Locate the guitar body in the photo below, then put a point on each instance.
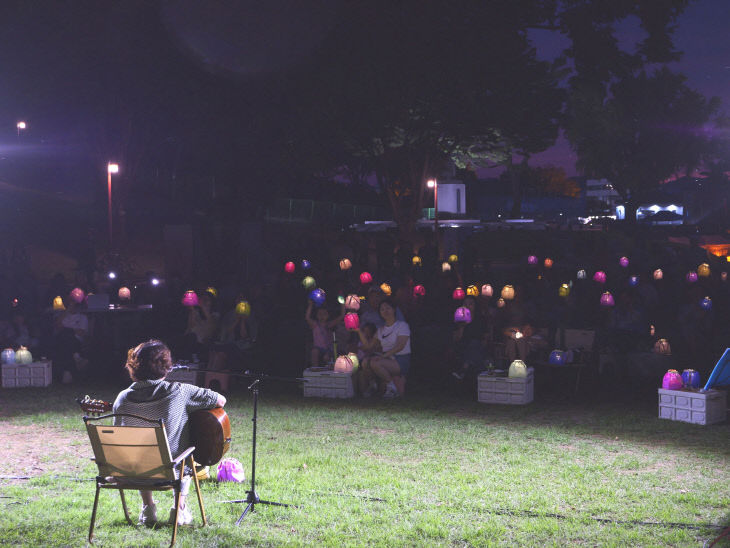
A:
(210, 433)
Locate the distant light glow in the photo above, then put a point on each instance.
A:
(21, 125)
(112, 275)
(431, 183)
(112, 168)
(155, 281)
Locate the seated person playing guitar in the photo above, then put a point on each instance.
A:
(151, 396)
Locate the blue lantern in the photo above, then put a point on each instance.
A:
(317, 296)
(633, 281)
(706, 303)
(691, 378)
(557, 357)
(306, 264)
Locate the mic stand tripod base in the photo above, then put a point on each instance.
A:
(252, 498)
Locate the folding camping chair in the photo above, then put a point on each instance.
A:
(138, 458)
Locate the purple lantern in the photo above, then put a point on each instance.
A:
(532, 260)
(691, 378)
(231, 470)
(706, 303)
(77, 295)
(317, 296)
(190, 298)
(691, 276)
(624, 262)
(600, 277)
(633, 281)
(352, 320)
(672, 380)
(462, 315)
(607, 299)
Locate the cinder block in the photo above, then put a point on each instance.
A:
(506, 390)
(694, 407)
(327, 384)
(33, 374)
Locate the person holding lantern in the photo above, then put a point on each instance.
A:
(322, 328)
(469, 340)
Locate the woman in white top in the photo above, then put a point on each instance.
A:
(395, 340)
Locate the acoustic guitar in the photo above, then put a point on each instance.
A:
(210, 429)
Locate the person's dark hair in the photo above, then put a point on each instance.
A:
(389, 302)
(149, 360)
(369, 328)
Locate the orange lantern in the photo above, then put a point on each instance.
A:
(548, 263)
(416, 260)
(508, 293)
(472, 291)
(124, 294)
(703, 271)
(385, 288)
(58, 303)
(345, 264)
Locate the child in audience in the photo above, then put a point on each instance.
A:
(322, 327)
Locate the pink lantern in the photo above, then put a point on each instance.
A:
(352, 302)
(600, 277)
(607, 299)
(190, 298)
(343, 364)
(462, 315)
(487, 290)
(366, 278)
(458, 294)
(231, 470)
(691, 276)
(532, 260)
(352, 320)
(77, 295)
(290, 267)
(658, 274)
(419, 291)
(624, 261)
(124, 294)
(672, 380)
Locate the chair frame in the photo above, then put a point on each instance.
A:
(140, 483)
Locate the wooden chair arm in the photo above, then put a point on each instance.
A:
(184, 454)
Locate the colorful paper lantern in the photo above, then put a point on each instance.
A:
(633, 281)
(672, 380)
(508, 293)
(190, 298)
(352, 302)
(487, 290)
(517, 369)
(557, 357)
(564, 290)
(289, 267)
(355, 360)
(306, 265)
(600, 277)
(472, 291)
(445, 267)
(366, 278)
(691, 277)
(58, 303)
(124, 294)
(385, 288)
(230, 470)
(243, 308)
(416, 260)
(23, 356)
(703, 271)
(624, 262)
(343, 364)
(706, 303)
(500, 302)
(458, 294)
(548, 263)
(352, 320)
(317, 296)
(309, 283)
(419, 291)
(77, 295)
(345, 264)
(607, 299)
(7, 356)
(212, 290)
(462, 315)
(691, 378)
(581, 275)
(652, 330)
(662, 347)
(453, 258)
(658, 274)
(532, 260)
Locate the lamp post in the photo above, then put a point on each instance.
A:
(433, 183)
(20, 125)
(110, 168)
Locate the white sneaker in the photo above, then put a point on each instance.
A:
(391, 391)
(148, 515)
(184, 516)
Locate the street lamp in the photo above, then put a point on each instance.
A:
(433, 183)
(110, 168)
(21, 125)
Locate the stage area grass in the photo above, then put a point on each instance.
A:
(426, 470)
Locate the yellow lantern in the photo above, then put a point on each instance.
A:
(58, 303)
(416, 260)
(508, 293)
(243, 308)
(564, 290)
(453, 258)
(487, 290)
(658, 274)
(703, 271)
(385, 288)
(212, 290)
(517, 369)
(472, 291)
(500, 303)
(445, 267)
(345, 264)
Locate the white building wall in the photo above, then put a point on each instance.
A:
(452, 198)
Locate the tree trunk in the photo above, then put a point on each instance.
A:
(515, 175)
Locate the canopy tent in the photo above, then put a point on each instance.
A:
(720, 375)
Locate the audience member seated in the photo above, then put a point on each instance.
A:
(70, 333)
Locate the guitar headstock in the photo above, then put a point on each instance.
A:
(93, 406)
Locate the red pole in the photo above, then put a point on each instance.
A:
(109, 202)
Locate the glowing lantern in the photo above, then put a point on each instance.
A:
(607, 299)
(354, 359)
(243, 308)
(691, 277)
(548, 263)
(581, 274)
(124, 294)
(472, 291)
(706, 303)
(385, 288)
(7, 356)
(317, 296)
(309, 283)
(672, 380)
(343, 364)
(557, 357)
(564, 290)
(306, 264)
(600, 277)
(23, 356)
(345, 264)
(703, 271)
(691, 378)
(652, 330)
(453, 259)
(366, 278)
(289, 267)
(462, 315)
(340, 299)
(352, 302)
(633, 281)
(15, 302)
(212, 290)
(517, 369)
(419, 291)
(508, 293)
(723, 276)
(487, 290)
(352, 320)
(624, 262)
(58, 303)
(500, 302)
(77, 295)
(416, 260)
(532, 260)
(190, 298)
(658, 274)
(458, 294)
(662, 347)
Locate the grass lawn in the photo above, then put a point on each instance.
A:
(426, 470)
